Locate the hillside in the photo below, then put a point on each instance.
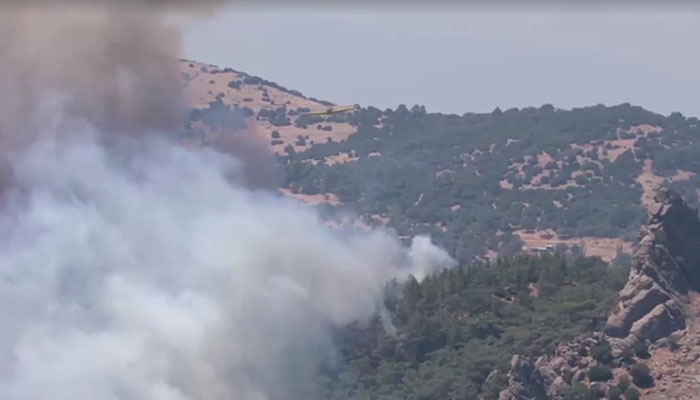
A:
(649, 342)
(539, 327)
(456, 332)
(273, 107)
(534, 179)
(559, 184)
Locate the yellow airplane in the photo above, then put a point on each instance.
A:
(331, 110)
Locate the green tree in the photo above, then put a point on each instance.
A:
(600, 373)
(623, 382)
(602, 353)
(577, 391)
(641, 375)
(627, 355)
(641, 349)
(632, 394)
(614, 393)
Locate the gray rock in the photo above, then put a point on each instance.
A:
(639, 296)
(662, 343)
(579, 376)
(651, 305)
(558, 364)
(660, 322)
(557, 389)
(525, 382)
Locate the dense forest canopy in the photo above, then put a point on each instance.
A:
(453, 329)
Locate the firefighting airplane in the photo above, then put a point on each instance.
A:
(332, 110)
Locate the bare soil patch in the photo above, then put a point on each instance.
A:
(547, 240)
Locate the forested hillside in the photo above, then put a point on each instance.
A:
(454, 329)
(486, 187)
(482, 185)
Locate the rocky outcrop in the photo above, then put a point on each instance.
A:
(525, 382)
(549, 377)
(653, 305)
(667, 265)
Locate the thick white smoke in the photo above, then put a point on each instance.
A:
(150, 276)
(132, 268)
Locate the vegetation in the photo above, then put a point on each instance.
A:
(623, 382)
(632, 394)
(627, 355)
(577, 391)
(277, 117)
(641, 375)
(602, 353)
(614, 393)
(472, 180)
(453, 329)
(641, 349)
(600, 373)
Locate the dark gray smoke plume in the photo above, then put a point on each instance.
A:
(130, 267)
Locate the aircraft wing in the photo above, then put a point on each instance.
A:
(343, 109)
(331, 111)
(317, 113)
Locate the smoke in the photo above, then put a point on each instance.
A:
(251, 147)
(132, 268)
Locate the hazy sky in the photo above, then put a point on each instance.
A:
(461, 60)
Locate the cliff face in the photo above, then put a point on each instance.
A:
(667, 266)
(659, 305)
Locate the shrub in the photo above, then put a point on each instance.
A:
(275, 142)
(632, 394)
(614, 393)
(602, 353)
(275, 134)
(582, 350)
(641, 375)
(600, 373)
(623, 382)
(246, 112)
(673, 343)
(641, 349)
(252, 80)
(578, 391)
(234, 85)
(627, 355)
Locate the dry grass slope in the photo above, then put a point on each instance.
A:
(204, 82)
